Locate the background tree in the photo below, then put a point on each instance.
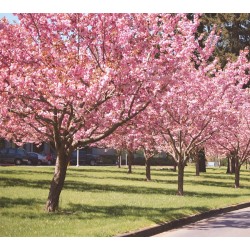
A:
(234, 139)
(200, 160)
(122, 140)
(137, 135)
(234, 35)
(234, 31)
(190, 115)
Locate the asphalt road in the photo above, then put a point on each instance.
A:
(231, 224)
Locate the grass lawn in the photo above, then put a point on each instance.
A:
(106, 201)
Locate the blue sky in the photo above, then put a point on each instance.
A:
(9, 16)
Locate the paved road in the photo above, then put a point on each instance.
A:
(232, 224)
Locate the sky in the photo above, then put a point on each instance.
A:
(9, 16)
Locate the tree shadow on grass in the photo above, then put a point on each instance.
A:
(154, 214)
(129, 189)
(89, 212)
(228, 183)
(156, 173)
(227, 176)
(6, 202)
(88, 169)
(18, 182)
(25, 172)
(217, 176)
(136, 179)
(93, 187)
(139, 190)
(122, 171)
(209, 183)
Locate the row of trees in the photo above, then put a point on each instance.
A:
(148, 81)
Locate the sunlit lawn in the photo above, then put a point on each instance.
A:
(106, 201)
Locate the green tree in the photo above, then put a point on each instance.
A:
(234, 30)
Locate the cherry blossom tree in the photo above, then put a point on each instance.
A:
(73, 79)
(234, 138)
(122, 140)
(139, 134)
(146, 139)
(192, 113)
(182, 81)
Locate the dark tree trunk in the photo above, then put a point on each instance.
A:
(119, 159)
(237, 173)
(197, 166)
(175, 166)
(181, 166)
(57, 182)
(148, 169)
(229, 171)
(130, 161)
(233, 164)
(202, 160)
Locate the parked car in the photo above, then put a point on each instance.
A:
(32, 158)
(42, 159)
(85, 158)
(16, 156)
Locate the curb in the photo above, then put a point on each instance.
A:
(160, 228)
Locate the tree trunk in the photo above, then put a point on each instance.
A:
(119, 159)
(202, 160)
(233, 164)
(130, 161)
(148, 169)
(181, 166)
(57, 182)
(175, 166)
(197, 166)
(228, 165)
(237, 173)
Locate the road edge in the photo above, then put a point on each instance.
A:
(160, 228)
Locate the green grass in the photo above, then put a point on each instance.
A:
(106, 201)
